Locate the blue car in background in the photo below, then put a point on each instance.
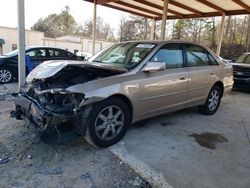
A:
(34, 56)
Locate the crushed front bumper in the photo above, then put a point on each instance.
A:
(32, 111)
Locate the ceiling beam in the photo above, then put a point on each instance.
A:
(178, 14)
(129, 11)
(211, 5)
(209, 14)
(177, 4)
(139, 8)
(101, 2)
(243, 5)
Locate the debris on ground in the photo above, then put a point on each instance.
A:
(138, 182)
(5, 159)
(51, 171)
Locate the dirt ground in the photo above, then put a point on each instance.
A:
(25, 161)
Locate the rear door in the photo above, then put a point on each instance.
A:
(202, 73)
(58, 54)
(164, 90)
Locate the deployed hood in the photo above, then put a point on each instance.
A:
(50, 68)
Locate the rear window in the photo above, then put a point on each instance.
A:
(245, 58)
(242, 58)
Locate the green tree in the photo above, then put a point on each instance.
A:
(55, 25)
(103, 30)
(134, 28)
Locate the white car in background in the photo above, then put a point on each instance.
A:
(86, 55)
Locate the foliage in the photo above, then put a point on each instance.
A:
(55, 25)
(103, 30)
(134, 28)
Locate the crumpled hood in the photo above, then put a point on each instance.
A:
(50, 68)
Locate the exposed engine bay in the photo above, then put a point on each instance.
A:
(47, 104)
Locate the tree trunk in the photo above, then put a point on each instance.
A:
(248, 35)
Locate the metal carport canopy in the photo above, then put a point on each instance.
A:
(177, 9)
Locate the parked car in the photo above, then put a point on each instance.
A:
(101, 98)
(84, 55)
(37, 55)
(241, 71)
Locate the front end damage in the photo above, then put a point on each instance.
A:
(46, 103)
(49, 109)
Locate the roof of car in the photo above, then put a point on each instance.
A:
(162, 41)
(30, 47)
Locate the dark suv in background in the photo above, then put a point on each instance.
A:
(36, 55)
(241, 71)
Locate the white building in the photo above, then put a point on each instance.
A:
(9, 41)
(76, 43)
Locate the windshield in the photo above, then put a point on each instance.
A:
(245, 58)
(126, 54)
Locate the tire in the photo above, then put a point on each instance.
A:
(107, 122)
(6, 75)
(213, 101)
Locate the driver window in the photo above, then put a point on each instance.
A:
(37, 53)
(171, 54)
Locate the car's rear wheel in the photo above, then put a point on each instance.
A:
(108, 122)
(213, 101)
(6, 75)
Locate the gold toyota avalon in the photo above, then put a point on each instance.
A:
(121, 85)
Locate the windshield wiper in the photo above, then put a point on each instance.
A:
(97, 61)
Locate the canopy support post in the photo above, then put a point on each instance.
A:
(21, 44)
(164, 18)
(94, 29)
(153, 29)
(219, 42)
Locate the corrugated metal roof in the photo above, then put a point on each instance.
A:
(179, 8)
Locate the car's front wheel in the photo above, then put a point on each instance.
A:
(108, 122)
(6, 75)
(213, 101)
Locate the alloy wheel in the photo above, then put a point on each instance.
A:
(109, 122)
(213, 100)
(5, 75)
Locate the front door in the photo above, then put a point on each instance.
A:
(165, 90)
(37, 56)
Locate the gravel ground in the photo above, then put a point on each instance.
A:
(25, 161)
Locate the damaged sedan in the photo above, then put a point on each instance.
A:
(121, 85)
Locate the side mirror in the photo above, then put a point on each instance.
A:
(154, 66)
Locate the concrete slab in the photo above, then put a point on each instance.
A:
(11, 87)
(165, 146)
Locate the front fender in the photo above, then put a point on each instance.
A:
(92, 95)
